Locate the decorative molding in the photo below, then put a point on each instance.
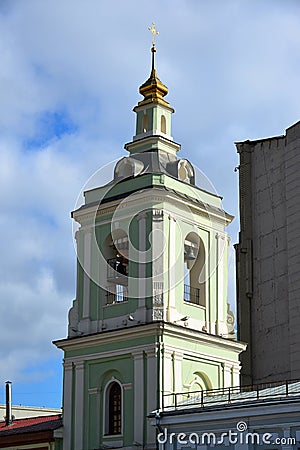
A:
(68, 365)
(158, 313)
(158, 215)
(158, 299)
(93, 391)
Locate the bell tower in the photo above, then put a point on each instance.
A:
(150, 316)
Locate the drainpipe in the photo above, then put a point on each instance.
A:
(8, 417)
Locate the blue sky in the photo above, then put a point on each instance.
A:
(69, 78)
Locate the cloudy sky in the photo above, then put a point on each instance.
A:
(69, 77)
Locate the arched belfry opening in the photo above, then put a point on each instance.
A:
(194, 270)
(115, 252)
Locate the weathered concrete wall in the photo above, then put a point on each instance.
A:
(268, 257)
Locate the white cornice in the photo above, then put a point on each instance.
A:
(155, 328)
(93, 211)
(200, 337)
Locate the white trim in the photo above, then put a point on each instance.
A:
(159, 196)
(67, 404)
(193, 336)
(138, 361)
(87, 271)
(151, 387)
(142, 269)
(79, 404)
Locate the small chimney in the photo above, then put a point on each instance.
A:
(8, 417)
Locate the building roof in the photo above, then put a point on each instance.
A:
(31, 425)
(231, 396)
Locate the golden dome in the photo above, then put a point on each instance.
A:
(153, 89)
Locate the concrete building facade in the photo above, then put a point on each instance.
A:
(268, 257)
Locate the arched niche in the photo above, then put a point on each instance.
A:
(200, 382)
(163, 124)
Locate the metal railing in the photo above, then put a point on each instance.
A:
(119, 294)
(191, 294)
(231, 395)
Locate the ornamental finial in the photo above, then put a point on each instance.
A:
(154, 33)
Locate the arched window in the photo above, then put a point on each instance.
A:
(145, 123)
(115, 251)
(194, 270)
(163, 125)
(113, 409)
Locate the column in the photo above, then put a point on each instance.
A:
(158, 244)
(86, 280)
(236, 368)
(178, 357)
(79, 404)
(142, 218)
(168, 375)
(227, 374)
(138, 361)
(172, 274)
(67, 405)
(221, 294)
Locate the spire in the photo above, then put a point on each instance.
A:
(153, 89)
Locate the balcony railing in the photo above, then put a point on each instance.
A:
(238, 394)
(191, 295)
(118, 295)
(117, 271)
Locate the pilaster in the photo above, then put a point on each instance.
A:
(158, 244)
(178, 358)
(221, 294)
(67, 417)
(171, 309)
(142, 288)
(227, 375)
(151, 356)
(139, 413)
(85, 322)
(79, 404)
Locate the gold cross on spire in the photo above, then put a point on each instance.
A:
(154, 33)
